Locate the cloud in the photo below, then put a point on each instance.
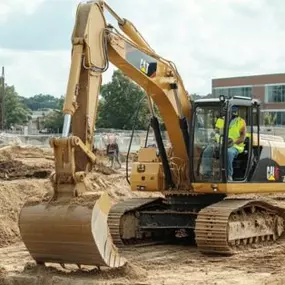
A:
(9, 7)
(46, 25)
(34, 72)
(205, 39)
(215, 38)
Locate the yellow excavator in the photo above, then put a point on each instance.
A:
(81, 227)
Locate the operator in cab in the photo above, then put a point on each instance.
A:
(219, 126)
(237, 134)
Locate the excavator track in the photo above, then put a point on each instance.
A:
(122, 209)
(233, 225)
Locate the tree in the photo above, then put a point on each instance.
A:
(120, 99)
(194, 96)
(41, 101)
(16, 113)
(53, 122)
(269, 119)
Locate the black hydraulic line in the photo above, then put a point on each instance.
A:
(184, 128)
(166, 168)
(131, 139)
(147, 134)
(182, 121)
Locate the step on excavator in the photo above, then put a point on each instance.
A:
(200, 181)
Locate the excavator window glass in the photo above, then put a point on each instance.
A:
(240, 163)
(207, 142)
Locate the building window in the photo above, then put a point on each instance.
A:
(276, 118)
(275, 93)
(229, 92)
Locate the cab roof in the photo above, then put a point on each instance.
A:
(236, 100)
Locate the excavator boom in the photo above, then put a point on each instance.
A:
(71, 227)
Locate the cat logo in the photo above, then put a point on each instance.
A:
(144, 65)
(272, 173)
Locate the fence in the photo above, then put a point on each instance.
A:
(42, 140)
(124, 137)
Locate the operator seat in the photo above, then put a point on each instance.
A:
(240, 162)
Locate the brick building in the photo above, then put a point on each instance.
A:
(268, 88)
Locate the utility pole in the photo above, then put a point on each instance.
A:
(2, 99)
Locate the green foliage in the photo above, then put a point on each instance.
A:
(15, 111)
(194, 96)
(269, 119)
(120, 99)
(41, 101)
(53, 122)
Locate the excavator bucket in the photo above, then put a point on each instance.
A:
(69, 232)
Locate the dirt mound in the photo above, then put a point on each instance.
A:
(15, 169)
(3, 272)
(24, 162)
(130, 270)
(15, 151)
(55, 275)
(101, 167)
(13, 194)
(18, 162)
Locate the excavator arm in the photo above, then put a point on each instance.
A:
(95, 44)
(71, 226)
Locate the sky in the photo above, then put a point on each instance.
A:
(205, 39)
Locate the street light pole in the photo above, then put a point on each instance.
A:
(2, 98)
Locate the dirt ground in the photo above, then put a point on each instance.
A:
(155, 264)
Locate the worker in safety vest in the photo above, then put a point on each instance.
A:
(113, 150)
(237, 133)
(219, 127)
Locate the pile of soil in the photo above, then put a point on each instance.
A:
(13, 195)
(14, 151)
(34, 274)
(18, 162)
(159, 264)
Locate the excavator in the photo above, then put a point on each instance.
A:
(78, 226)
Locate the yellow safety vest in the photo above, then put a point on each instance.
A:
(234, 132)
(219, 125)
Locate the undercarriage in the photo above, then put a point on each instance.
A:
(215, 223)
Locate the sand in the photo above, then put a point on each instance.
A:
(155, 264)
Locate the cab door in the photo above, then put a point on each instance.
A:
(242, 163)
(207, 145)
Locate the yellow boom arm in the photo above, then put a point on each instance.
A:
(94, 44)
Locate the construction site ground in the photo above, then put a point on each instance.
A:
(24, 173)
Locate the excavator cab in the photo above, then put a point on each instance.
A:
(210, 124)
